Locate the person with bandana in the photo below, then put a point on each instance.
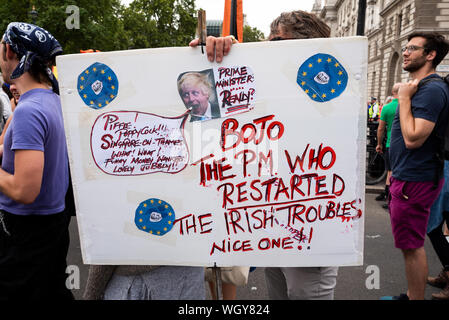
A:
(34, 176)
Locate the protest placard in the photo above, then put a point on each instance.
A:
(258, 161)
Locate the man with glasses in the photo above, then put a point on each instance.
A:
(417, 172)
(295, 283)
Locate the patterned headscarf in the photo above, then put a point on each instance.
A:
(32, 44)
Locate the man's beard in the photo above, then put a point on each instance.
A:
(415, 65)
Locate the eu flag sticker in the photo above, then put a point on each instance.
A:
(155, 217)
(322, 77)
(97, 85)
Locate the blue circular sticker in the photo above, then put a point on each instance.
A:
(154, 216)
(322, 77)
(97, 85)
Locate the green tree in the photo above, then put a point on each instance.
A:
(252, 34)
(107, 25)
(160, 23)
(100, 24)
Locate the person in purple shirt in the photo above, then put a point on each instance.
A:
(34, 176)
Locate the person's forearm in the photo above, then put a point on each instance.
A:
(11, 187)
(408, 127)
(380, 135)
(415, 131)
(8, 186)
(24, 185)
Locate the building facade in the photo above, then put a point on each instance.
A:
(388, 23)
(214, 27)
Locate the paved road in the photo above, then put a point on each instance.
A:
(379, 254)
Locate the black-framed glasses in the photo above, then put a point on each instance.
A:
(411, 48)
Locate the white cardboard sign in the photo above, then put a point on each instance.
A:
(258, 161)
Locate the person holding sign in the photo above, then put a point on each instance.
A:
(293, 282)
(417, 173)
(34, 177)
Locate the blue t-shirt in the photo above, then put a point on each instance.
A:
(430, 102)
(37, 124)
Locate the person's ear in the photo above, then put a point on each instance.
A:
(431, 55)
(10, 54)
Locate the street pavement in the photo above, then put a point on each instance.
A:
(380, 258)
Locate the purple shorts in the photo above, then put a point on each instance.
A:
(409, 205)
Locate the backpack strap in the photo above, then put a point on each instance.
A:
(425, 81)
